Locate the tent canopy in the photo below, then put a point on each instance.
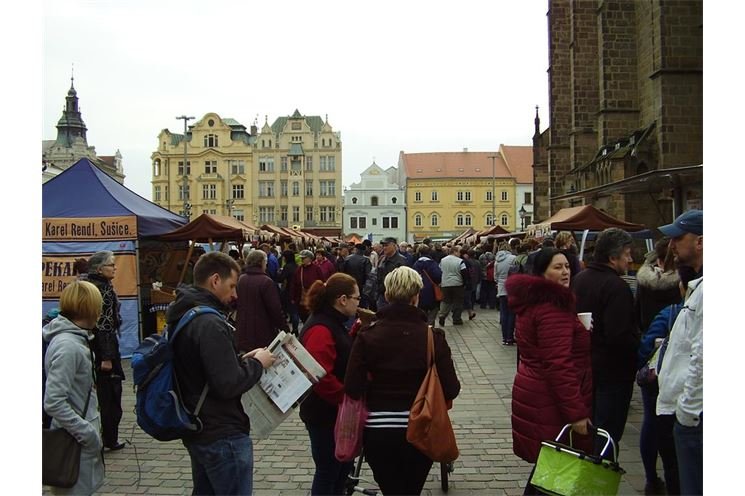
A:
(586, 217)
(84, 190)
(208, 227)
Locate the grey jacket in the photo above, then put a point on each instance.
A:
(452, 274)
(502, 269)
(69, 384)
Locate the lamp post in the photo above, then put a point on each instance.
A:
(522, 213)
(493, 189)
(187, 206)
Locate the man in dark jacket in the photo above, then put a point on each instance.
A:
(222, 452)
(358, 266)
(615, 335)
(391, 259)
(260, 312)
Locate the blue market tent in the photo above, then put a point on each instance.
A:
(84, 192)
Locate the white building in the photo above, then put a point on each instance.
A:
(376, 205)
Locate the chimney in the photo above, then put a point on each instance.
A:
(465, 149)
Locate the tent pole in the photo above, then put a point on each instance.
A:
(582, 247)
(212, 244)
(186, 263)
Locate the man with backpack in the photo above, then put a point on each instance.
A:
(204, 356)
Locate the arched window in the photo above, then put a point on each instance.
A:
(489, 220)
(459, 220)
(435, 220)
(354, 200)
(374, 201)
(156, 167)
(393, 200)
(468, 219)
(417, 220)
(504, 219)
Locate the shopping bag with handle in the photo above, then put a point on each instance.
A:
(567, 471)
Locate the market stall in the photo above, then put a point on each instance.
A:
(84, 211)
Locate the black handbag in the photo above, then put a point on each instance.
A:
(60, 455)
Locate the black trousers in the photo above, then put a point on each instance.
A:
(109, 389)
(398, 467)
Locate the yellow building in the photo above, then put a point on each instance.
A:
(446, 193)
(288, 174)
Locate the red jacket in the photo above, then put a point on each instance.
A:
(305, 276)
(553, 384)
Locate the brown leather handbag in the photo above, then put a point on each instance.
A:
(430, 429)
(436, 289)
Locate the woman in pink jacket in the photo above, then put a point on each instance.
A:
(553, 385)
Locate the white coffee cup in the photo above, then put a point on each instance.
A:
(586, 319)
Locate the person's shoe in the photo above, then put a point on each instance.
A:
(116, 447)
(504, 343)
(457, 322)
(654, 487)
(441, 321)
(471, 316)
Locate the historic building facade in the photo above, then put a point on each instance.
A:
(71, 144)
(376, 206)
(446, 193)
(625, 109)
(287, 174)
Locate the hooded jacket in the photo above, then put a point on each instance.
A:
(69, 370)
(205, 353)
(655, 289)
(553, 384)
(503, 262)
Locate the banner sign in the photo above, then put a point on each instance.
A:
(88, 228)
(57, 272)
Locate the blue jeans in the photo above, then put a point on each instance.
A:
(331, 474)
(648, 436)
(689, 446)
(506, 320)
(224, 466)
(611, 407)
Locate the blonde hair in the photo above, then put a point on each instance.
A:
(81, 300)
(563, 239)
(402, 284)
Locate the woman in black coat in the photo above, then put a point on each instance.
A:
(285, 279)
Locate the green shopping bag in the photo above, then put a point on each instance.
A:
(566, 471)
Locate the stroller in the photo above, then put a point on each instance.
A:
(355, 478)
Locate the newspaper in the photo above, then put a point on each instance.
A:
(282, 386)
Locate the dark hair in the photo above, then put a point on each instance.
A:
(548, 243)
(288, 256)
(524, 247)
(322, 295)
(543, 259)
(610, 243)
(211, 263)
(423, 250)
(686, 274)
(80, 266)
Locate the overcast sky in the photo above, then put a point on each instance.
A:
(405, 75)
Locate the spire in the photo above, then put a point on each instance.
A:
(71, 125)
(537, 122)
(72, 91)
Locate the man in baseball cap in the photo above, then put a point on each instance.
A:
(680, 402)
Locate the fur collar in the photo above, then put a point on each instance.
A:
(652, 277)
(527, 290)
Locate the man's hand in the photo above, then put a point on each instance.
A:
(581, 426)
(263, 355)
(106, 366)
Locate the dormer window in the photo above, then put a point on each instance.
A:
(210, 140)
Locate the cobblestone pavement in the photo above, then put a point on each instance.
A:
(283, 465)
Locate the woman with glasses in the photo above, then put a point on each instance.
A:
(388, 364)
(109, 372)
(327, 340)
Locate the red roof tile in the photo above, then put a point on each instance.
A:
(453, 164)
(520, 161)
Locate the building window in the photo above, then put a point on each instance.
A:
(528, 198)
(459, 220)
(394, 200)
(434, 196)
(237, 167)
(296, 126)
(266, 215)
(362, 222)
(528, 220)
(283, 213)
(295, 188)
(328, 188)
(504, 196)
(183, 192)
(266, 189)
(374, 201)
(283, 164)
(374, 221)
(435, 220)
(468, 220)
(295, 214)
(489, 220)
(209, 191)
(308, 187)
(266, 164)
(418, 196)
(354, 200)
(309, 164)
(464, 196)
(504, 219)
(181, 168)
(237, 191)
(327, 163)
(156, 167)
(418, 220)
(210, 140)
(165, 195)
(353, 222)
(283, 188)
(210, 166)
(296, 139)
(308, 214)
(238, 214)
(390, 222)
(489, 196)
(156, 193)
(328, 214)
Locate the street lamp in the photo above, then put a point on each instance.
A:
(187, 207)
(493, 189)
(522, 213)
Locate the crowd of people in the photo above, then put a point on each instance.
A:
(566, 373)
